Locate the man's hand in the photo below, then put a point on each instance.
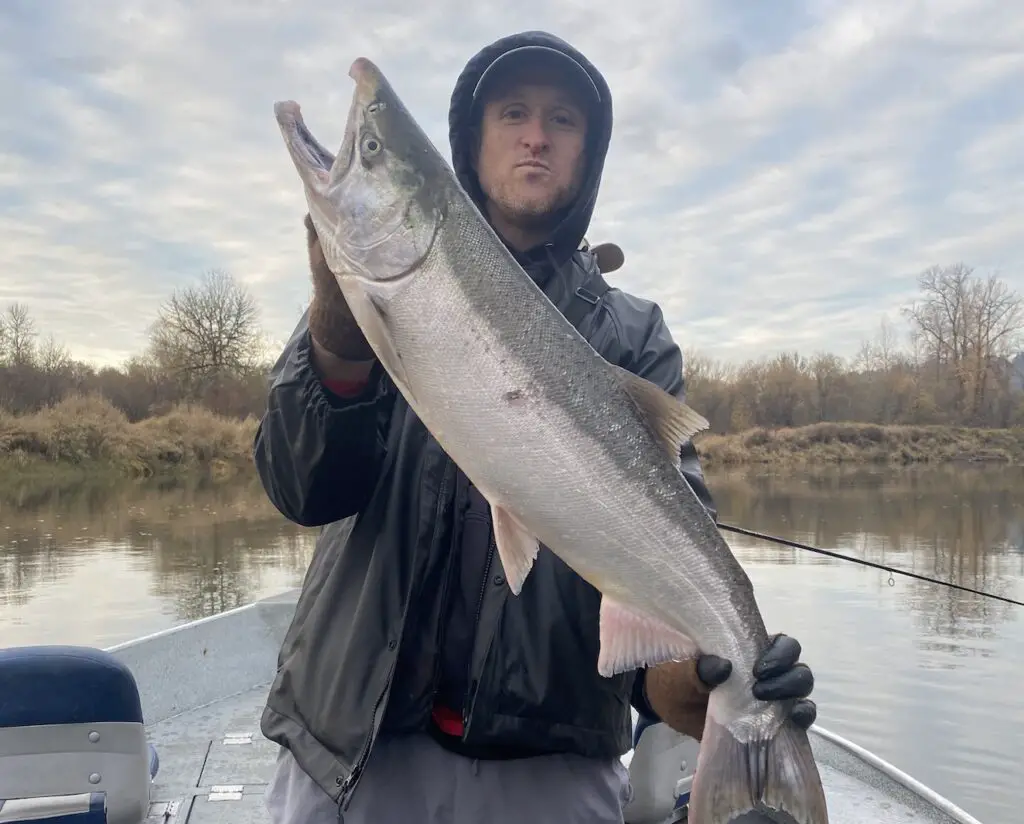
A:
(336, 335)
(779, 676)
(678, 691)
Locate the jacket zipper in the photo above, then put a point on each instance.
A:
(348, 788)
(471, 683)
(445, 588)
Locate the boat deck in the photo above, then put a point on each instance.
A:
(214, 763)
(204, 685)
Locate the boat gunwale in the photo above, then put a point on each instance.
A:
(131, 643)
(895, 774)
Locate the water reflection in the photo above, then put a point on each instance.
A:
(200, 548)
(924, 675)
(962, 524)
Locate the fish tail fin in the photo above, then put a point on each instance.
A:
(767, 773)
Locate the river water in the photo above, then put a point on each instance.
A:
(926, 676)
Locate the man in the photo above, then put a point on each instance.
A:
(411, 685)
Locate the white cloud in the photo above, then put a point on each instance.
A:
(776, 179)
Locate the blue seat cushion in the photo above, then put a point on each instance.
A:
(65, 685)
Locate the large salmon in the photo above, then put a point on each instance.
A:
(573, 453)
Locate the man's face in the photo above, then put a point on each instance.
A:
(531, 155)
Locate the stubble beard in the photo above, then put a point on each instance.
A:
(534, 213)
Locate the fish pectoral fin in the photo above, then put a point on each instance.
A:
(672, 420)
(631, 639)
(517, 548)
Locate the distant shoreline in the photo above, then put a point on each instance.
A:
(862, 443)
(89, 434)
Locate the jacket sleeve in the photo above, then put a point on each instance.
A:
(318, 455)
(649, 351)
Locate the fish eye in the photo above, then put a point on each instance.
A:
(371, 145)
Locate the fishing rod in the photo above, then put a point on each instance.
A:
(891, 570)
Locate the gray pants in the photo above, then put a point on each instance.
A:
(412, 778)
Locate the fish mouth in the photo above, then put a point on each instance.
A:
(306, 149)
(314, 161)
(317, 166)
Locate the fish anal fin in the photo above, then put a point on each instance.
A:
(631, 639)
(517, 548)
(672, 420)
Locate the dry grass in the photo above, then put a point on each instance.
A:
(86, 431)
(837, 443)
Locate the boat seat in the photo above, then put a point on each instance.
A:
(72, 741)
(661, 775)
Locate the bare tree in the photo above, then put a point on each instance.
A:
(785, 382)
(53, 357)
(996, 323)
(55, 370)
(882, 352)
(827, 371)
(207, 332)
(968, 326)
(941, 318)
(17, 336)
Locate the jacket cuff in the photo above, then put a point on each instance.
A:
(320, 390)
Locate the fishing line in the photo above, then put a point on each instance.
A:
(891, 570)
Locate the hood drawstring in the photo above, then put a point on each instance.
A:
(549, 249)
(534, 265)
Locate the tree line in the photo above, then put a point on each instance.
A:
(205, 347)
(958, 362)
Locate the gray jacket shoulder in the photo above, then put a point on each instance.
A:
(631, 332)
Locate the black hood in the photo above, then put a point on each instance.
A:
(569, 233)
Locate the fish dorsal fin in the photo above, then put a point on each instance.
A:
(672, 420)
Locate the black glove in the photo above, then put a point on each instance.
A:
(778, 673)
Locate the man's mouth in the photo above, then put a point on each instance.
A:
(532, 164)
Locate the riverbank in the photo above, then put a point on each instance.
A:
(88, 434)
(857, 443)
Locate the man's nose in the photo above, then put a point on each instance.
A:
(534, 134)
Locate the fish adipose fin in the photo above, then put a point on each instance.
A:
(672, 420)
(767, 774)
(631, 639)
(517, 548)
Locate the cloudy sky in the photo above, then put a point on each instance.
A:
(779, 174)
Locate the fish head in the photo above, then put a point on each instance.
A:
(373, 206)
